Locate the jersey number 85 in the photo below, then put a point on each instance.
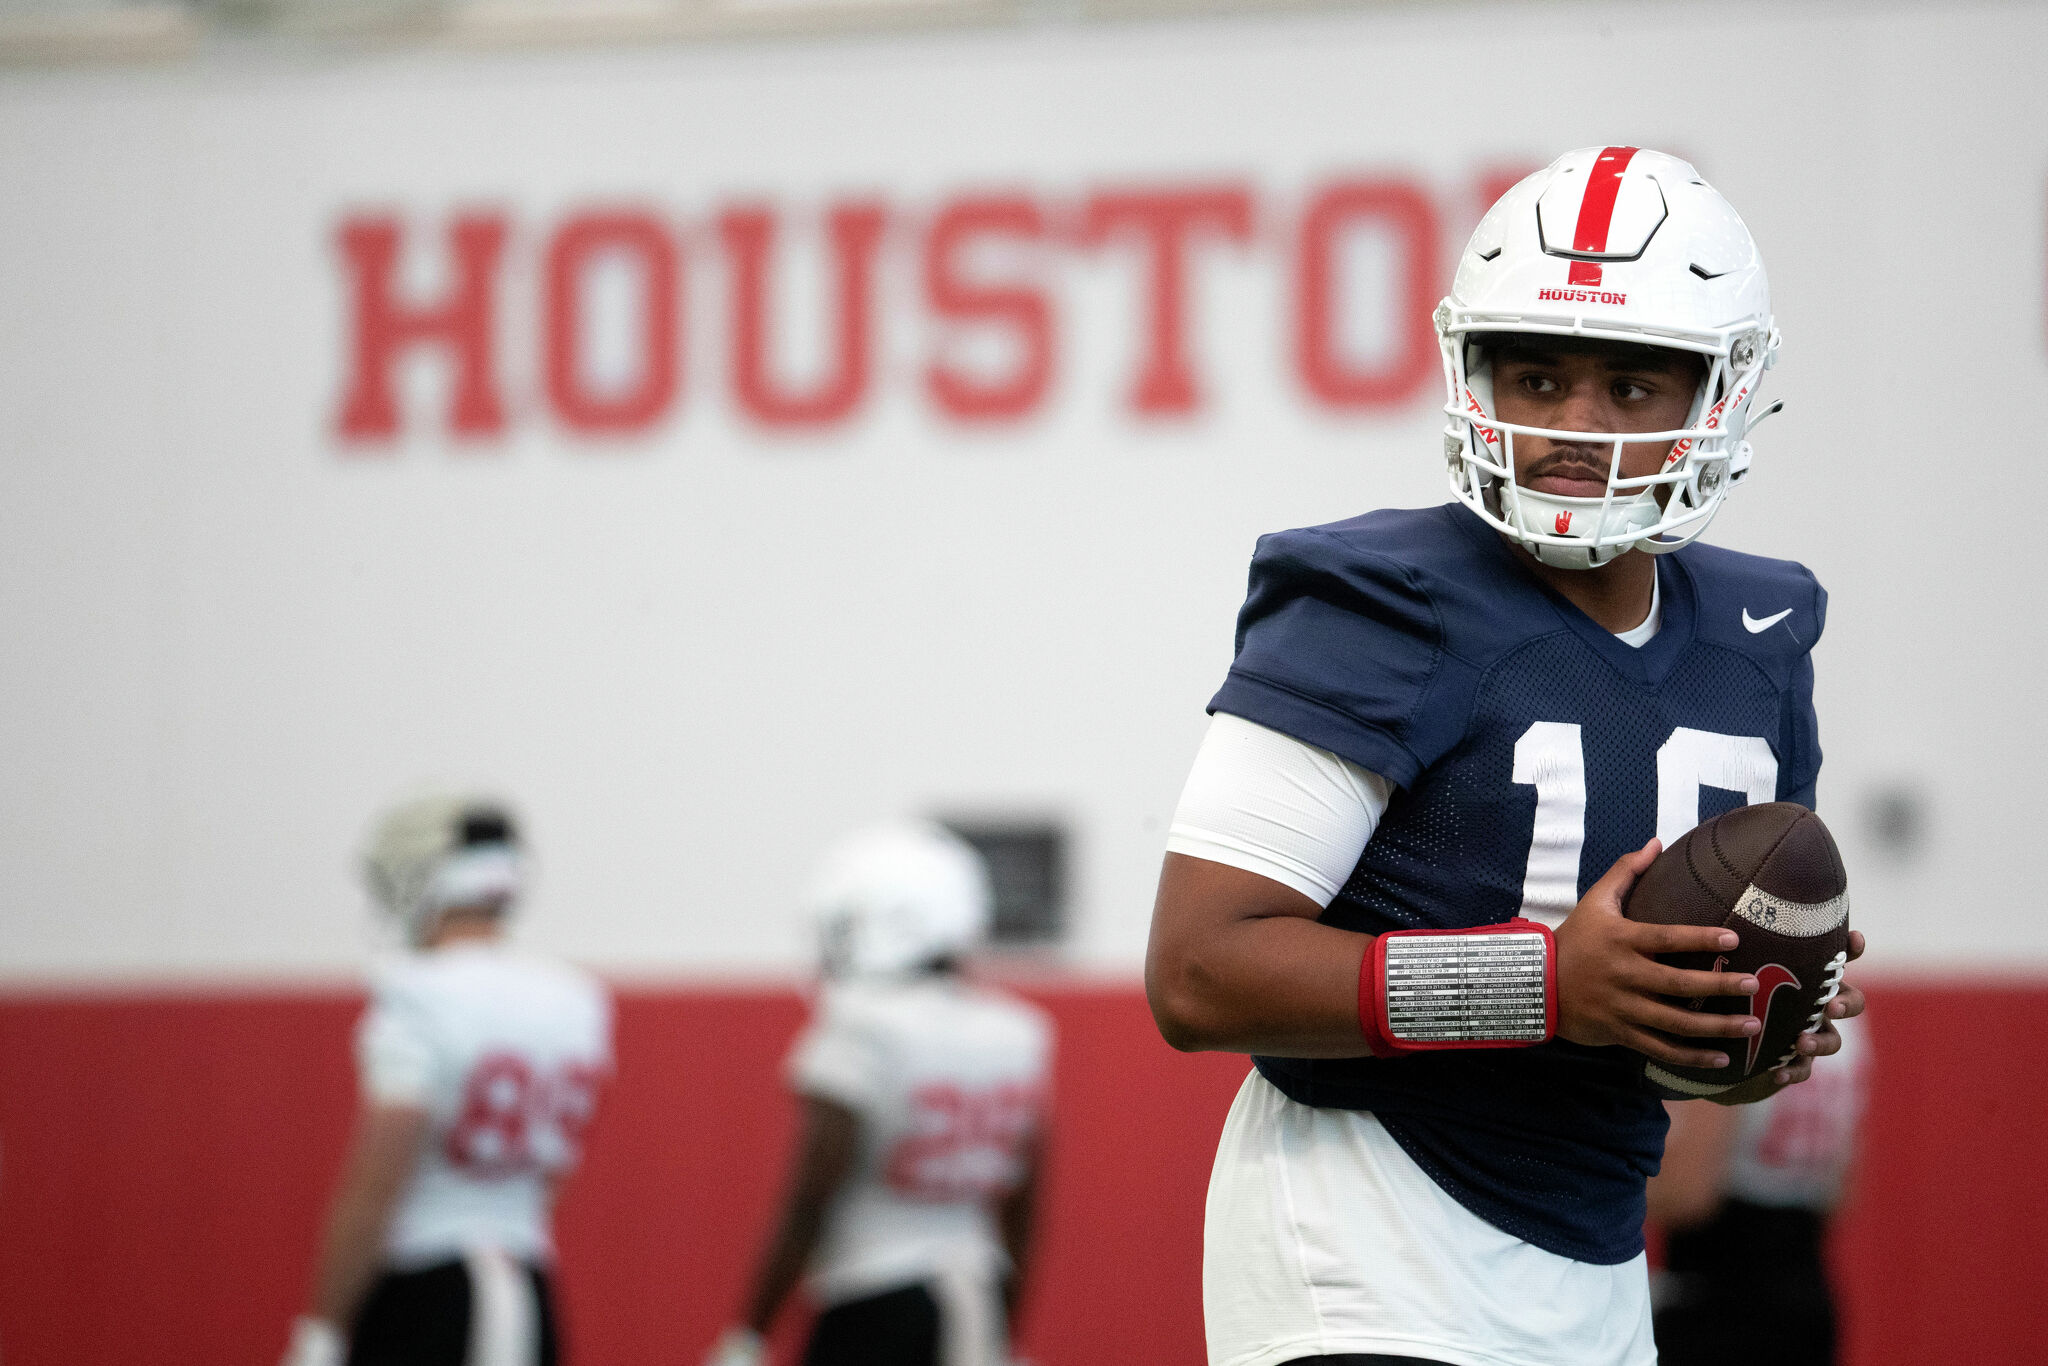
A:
(517, 1118)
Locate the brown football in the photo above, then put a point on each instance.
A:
(1773, 875)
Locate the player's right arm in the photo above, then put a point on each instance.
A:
(1016, 1220)
(837, 1067)
(381, 1158)
(826, 1147)
(1239, 963)
(397, 1058)
(825, 1153)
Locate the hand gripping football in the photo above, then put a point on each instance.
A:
(1773, 875)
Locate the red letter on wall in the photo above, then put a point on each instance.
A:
(1406, 211)
(640, 238)
(463, 322)
(1164, 220)
(1024, 311)
(856, 234)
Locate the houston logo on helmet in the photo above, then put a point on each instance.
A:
(1581, 296)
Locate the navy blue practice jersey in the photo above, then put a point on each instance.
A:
(1531, 749)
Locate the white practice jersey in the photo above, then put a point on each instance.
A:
(1794, 1149)
(505, 1051)
(950, 1083)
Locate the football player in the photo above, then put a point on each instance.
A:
(1450, 740)
(923, 1102)
(480, 1066)
(1744, 1198)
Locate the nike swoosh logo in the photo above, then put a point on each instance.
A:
(1753, 625)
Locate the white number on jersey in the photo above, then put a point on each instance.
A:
(1551, 757)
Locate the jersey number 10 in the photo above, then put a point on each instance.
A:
(1551, 757)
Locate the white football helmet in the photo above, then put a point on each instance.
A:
(1627, 245)
(891, 899)
(442, 850)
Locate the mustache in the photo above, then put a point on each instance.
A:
(1574, 462)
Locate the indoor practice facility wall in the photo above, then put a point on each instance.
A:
(716, 446)
(164, 1159)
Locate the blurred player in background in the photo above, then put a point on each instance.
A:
(1744, 1199)
(480, 1066)
(1439, 725)
(923, 1096)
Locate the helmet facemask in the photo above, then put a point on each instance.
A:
(1658, 512)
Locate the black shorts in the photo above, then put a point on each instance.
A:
(899, 1328)
(1792, 1330)
(424, 1318)
(1750, 1285)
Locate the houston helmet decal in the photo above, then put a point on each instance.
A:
(1564, 523)
(1711, 423)
(1472, 405)
(1550, 294)
(1596, 211)
(1769, 979)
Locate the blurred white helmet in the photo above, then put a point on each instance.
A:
(435, 852)
(1625, 245)
(891, 899)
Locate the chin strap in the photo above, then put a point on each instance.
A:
(1490, 987)
(1569, 556)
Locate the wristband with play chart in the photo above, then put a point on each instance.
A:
(1490, 987)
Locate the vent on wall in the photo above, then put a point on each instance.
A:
(1027, 863)
(1896, 820)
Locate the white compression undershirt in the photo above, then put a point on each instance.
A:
(1271, 805)
(1268, 803)
(1639, 635)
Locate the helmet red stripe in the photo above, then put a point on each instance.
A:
(1596, 210)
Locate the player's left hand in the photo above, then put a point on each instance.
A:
(1819, 1044)
(1611, 988)
(315, 1342)
(737, 1346)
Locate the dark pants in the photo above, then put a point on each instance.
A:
(900, 1328)
(1748, 1286)
(422, 1318)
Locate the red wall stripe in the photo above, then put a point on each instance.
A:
(164, 1160)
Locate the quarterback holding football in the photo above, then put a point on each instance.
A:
(909, 1206)
(480, 1066)
(1450, 741)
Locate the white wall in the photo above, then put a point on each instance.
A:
(226, 634)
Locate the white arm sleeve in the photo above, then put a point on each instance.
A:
(1271, 805)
